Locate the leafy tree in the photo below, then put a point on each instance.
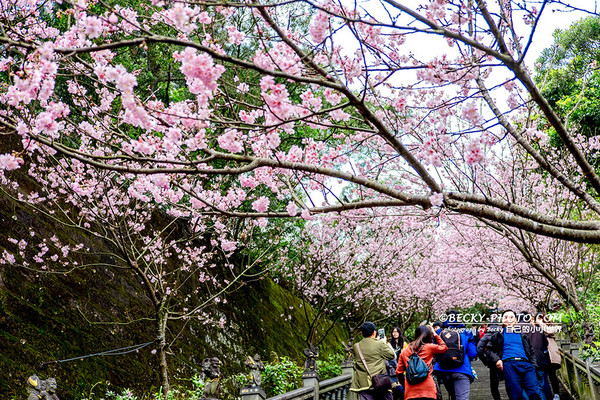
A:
(568, 75)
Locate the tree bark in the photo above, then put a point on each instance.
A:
(161, 321)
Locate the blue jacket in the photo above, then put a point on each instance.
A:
(468, 342)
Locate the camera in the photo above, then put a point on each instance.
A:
(381, 333)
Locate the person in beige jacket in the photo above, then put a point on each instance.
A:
(376, 352)
(553, 352)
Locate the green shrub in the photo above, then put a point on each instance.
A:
(590, 352)
(281, 377)
(230, 386)
(331, 367)
(197, 388)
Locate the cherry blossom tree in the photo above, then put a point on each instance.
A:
(343, 269)
(528, 265)
(516, 266)
(295, 109)
(182, 262)
(386, 268)
(347, 101)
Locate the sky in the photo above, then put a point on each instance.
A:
(549, 22)
(427, 47)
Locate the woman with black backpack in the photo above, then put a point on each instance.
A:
(415, 363)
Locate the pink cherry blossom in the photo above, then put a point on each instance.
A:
(228, 245)
(243, 87)
(437, 199)
(235, 36)
(92, 27)
(9, 162)
(473, 152)
(261, 204)
(292, 209)
(231, 141)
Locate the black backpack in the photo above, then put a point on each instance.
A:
(454, 357)
(416, 370)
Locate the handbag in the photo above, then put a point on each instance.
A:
(379, 381)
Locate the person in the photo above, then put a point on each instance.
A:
(482, 330)
(437, 327)
(553, 356)
(375, 352)
(523, 318)
(425, 348)
(495, 374)
(511, 352)
(397, 342)
(539, 344)
(458, 380)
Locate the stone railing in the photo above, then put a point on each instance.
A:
(580, 378)
(337, 388)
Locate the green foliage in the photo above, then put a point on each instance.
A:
(174, 394)
(231, 386)
(582, 106)
(281, 377)
(197, 388)
(563, 67)
(590, 352)
(574, 48)
(590, 298)
(567, 73)
(330, 367)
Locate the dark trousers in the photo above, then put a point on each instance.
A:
(457, 384)
(375, 395)
(495, 378)
(519, 377)
(544, 384)
(553, 378)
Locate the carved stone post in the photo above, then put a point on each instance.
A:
(569, 366)
(348, 362)
(41, 389)
(591, 382)
(253, 391)
(212, 372)
(575, 347)
(310, 376)
(575, 354)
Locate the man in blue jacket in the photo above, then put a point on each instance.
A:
(457, 380)
(510, 351)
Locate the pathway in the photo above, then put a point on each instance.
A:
(480, 389)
